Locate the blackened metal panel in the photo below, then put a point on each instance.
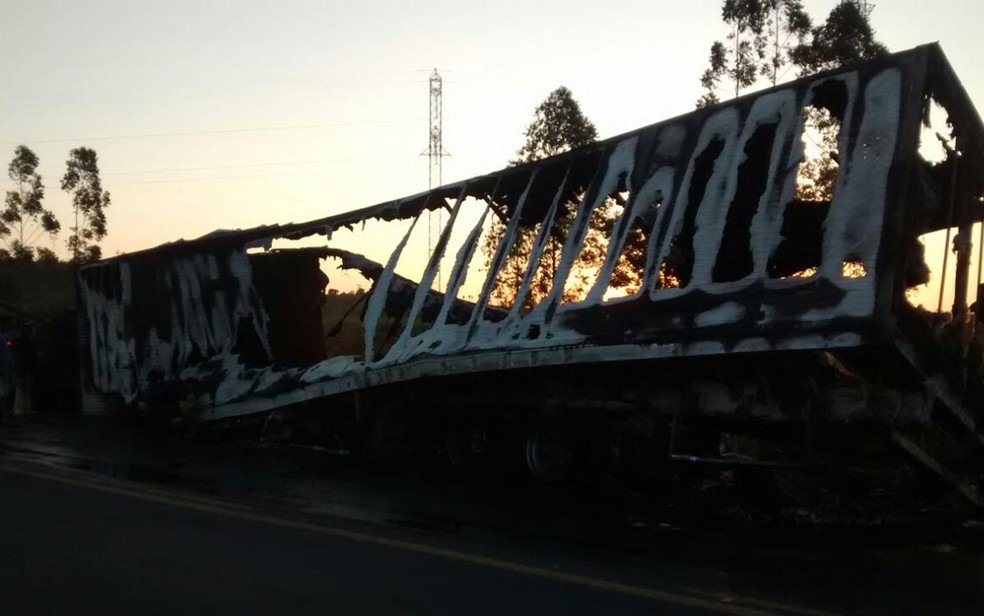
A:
(154, 321)
(712, 190)
(291, 286)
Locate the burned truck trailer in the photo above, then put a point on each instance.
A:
(722, 274)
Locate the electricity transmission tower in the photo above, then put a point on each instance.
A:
(865, 6)
(435, 152)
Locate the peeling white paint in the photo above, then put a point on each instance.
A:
(206, 300)
(725, 314)
(854, 225)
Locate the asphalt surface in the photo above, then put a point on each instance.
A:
(68, 549)
(98, 520)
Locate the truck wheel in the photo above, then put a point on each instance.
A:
(551, 456)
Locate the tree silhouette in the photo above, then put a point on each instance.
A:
(89, 202)
(767, 35)
(844, 38)
(787, 26)
(558, 125)
(737, 62)
(24, 217)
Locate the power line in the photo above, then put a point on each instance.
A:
(227, 177)
(215, 167)
(323, 161)
(225, 131)
(3, 184)
(70, 100)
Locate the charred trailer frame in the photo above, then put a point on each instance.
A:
(749, 307)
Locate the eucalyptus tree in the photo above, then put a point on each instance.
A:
(89, 202)
(735, 65)
(24, 217)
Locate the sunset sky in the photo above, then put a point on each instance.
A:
(211, 114)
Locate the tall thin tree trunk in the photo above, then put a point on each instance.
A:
(20, 189)
(775, 57)
(75, 246)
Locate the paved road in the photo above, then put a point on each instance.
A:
(98, 520)
(73, 545)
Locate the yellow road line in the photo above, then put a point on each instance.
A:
(762, 603)
(205, 505)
